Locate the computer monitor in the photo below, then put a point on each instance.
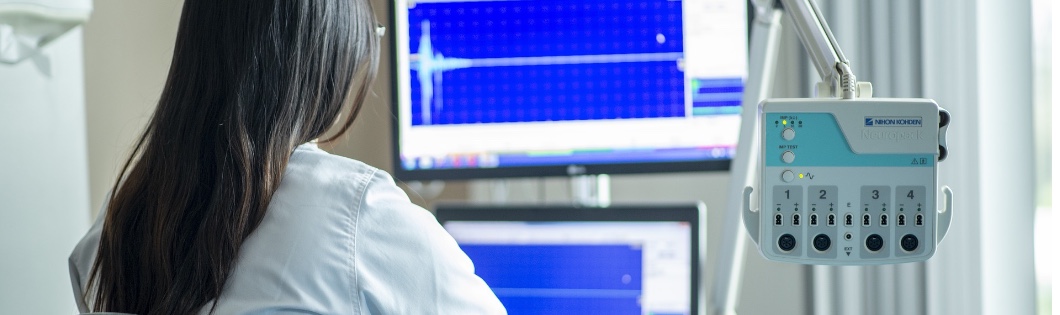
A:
(560, 87)
(618, 260)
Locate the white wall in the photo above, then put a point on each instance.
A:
(128, 47)
(43, 178)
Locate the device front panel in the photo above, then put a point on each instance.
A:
(824, 203)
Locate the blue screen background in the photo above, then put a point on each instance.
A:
(550, 92)
(561, 279)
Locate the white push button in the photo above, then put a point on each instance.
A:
(787, 176)
(787, 157)
(788, 134)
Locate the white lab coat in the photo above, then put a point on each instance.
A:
(339, 237)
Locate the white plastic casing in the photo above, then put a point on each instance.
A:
(874, 161)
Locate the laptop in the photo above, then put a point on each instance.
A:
(570, 260)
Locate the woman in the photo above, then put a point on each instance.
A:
(226, 206)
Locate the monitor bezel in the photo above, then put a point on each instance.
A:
(400, 173)
(693, 214)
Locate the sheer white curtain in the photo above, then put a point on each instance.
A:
(973, 58)
(978, 59)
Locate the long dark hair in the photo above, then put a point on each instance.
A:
(250, 80)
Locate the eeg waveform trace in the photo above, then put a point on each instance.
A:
(429, 66)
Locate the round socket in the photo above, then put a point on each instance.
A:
(910, 242)
(822, 242)
(786, 242)
(874, 243)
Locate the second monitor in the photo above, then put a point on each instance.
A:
(567, 260)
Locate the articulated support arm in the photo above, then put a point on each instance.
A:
(833, 67)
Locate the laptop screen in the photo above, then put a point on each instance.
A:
(583, 261)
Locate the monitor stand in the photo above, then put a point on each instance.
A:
(591, 190)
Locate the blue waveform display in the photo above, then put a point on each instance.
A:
(717, 92)
(552, 60)
(561, 279)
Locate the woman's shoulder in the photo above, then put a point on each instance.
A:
(310, 159)
(338, 185)
(313, 174)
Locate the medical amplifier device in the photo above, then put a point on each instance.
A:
(849, 182)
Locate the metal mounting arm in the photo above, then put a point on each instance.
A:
(824, 51)
(837, 81)
(816, 37)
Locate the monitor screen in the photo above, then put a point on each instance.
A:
(606, 263)
(561, 87)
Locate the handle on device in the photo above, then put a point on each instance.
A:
(945, 214)
(944, 123)
(750, 217)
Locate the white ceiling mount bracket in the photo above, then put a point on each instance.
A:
(26, 26)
